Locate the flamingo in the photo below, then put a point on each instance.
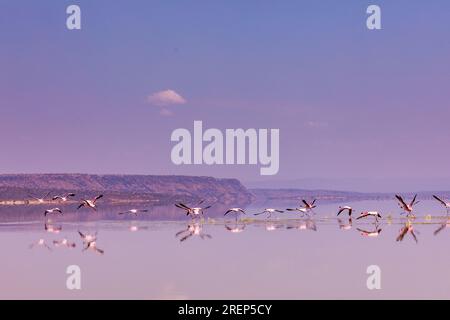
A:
(90, 203)
(369, 214)
(342, 209)
(196, 211)
(235, 210)
(407, 207)
(40, 200)
(270, 211)
(63, 198)
(54, 210)
(301, 210)
(444, 203)
(309, 206)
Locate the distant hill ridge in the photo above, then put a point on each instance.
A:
(195, 186)
(289, 194)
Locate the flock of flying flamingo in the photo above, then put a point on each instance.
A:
(307, 209)
(89, 240)
(195, 229)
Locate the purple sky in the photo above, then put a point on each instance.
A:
(349, 102)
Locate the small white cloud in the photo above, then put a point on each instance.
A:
(166, 112)
(165, 98)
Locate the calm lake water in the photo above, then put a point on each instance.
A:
(288, 257)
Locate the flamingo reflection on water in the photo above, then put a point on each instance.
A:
(52, 229)
(444, 225)
(370, 233)
(236, 228)
(408, 228)
(93, 246)
(345, 226)
(193, 229)
(86, 237)
(308, 224)
(134, 228)
(40, 243)
(272, 226)
(64, 243)
(90, 242)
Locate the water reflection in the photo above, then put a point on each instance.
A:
(133, 212)
(64, 243)
(40, 243)
(345, 226)
(104, 240)
(407, 228)
(87, 237)
(193, 229)
(443, 226)
(236, 228)
(271, 226)
(90, 242)
(52, 229)
(196, 228)
(308, 224)
(371, 226)
(375, 232)
(93, 247)
(135, 228)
